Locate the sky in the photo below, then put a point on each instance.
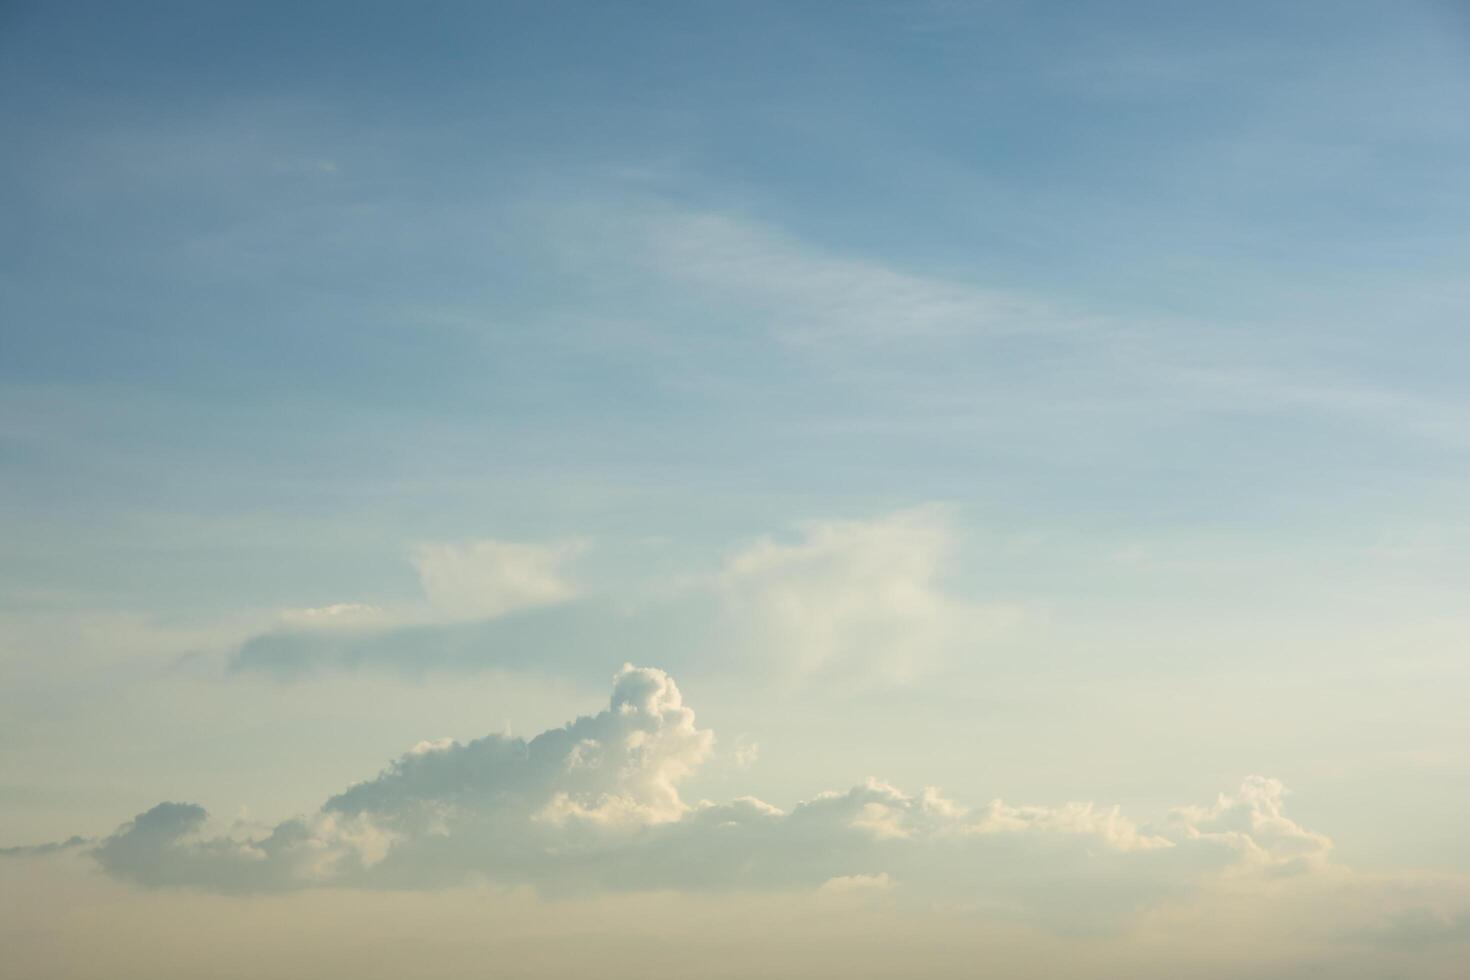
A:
(822, 489)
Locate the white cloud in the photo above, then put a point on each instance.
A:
(486, 578)
(844, 883)
(837, 303)
(622, 765)
(840, 603)
(862, 596)
(462, 582)
(746, 752)
(338, 615)
(596, 805)
(1251, 823)
(809, 296)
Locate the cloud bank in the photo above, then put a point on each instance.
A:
(596, 806)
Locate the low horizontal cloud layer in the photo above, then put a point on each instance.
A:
(462, 581)
(469, 589)
(837, 603)
(595, 805)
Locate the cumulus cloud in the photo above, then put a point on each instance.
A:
(857, 597)
(486, 578)
(491, 805)
(167, 845)
(596, 805)
(622, 764)
(1251, 823)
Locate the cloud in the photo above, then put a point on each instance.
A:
(847, 884)
(1421, 926)
(845, 307)
(810, 296)
(746, 752)
(857, 891)
(596, 805)
(1251, 823)
(463, 583)
(621, 765)
(338, 615)
(855, 598)
(488, 578)
(838, 603)
(40, 850)
(544, 638)
(167, 846)
(500, 796)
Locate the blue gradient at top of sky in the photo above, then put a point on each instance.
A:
(1290, 174)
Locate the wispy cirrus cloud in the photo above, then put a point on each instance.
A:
(902, 331)
(811, 297)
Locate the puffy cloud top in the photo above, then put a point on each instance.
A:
(620, 765)
(595, 804)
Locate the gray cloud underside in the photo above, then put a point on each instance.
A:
(40, 850)
(550, 640)
(594, 806)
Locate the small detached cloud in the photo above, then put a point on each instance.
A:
(813, 299)
(462, 583)
(857, 884)
(856, 599)
(595, 805)
(746, 752)
(488, 578)
(337, 616)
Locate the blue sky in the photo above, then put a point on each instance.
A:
(1051, 401)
